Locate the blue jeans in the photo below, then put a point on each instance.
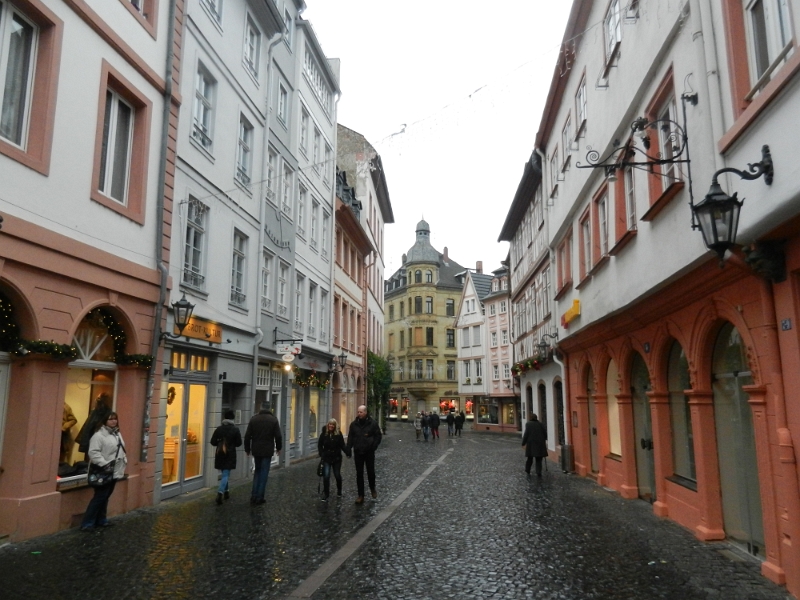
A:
(95, 515)
(426, 431)
(223, 483)
(326, 476)
(260, 477)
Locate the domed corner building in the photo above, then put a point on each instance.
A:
(421, 298)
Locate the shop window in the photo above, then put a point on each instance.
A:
(612, 391)
(488, 414)
(680, 414)
(313, 400)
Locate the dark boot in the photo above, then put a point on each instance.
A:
(227, 494)
(219, 499)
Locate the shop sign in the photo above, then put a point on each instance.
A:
(201, 329)
(572, 313)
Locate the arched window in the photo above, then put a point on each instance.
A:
(429, 305)
(682, 437)
(418, 276)
(428, 276)
(612, 390)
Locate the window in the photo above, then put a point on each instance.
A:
(504, 337)
(391, 342)
(429, 305)
(586, 245)
(580, 105)
(18, 41)
(554, 169)
(304, 120)
(323, 317)
(312, 310)
(429, 336)
(243, 159)
(666, 143)
(495, 372)
(478, 368)
(417, 276)
(252, 47)
(429, 369)
(402, 340)
(203, 108)
(601, 225)
(492, 308)
(266, 281)
(328, 166)
(195, 244)
(314, 224)
(417, 336)
(301, 210)
(566, 140)
(286, 193)
(391, 312)
(272, 177)
(300, 284)
(283, 104)
(283, 277)
(465, 337)
(769, 36)
(418, 369)
(115, 158)
(680, 413)
(326, 224)
(402, 309)
(451, 369)
(417, 304)
(451, 338)
(214, 8)
(564, 255)
(502, 307)
(613, 29)
(506, 371)
(630, 197)
(318, 81)
(428, 276)
(494, 339)
(238, 296)
(287, 35)
(476, 335)
(315, 155)
(450, 307)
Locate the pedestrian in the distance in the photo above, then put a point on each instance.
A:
(435, 426)
(331, 446)
(105, 447)
(363, 439)
(426, 425)
(263, 437)
(459, 422)
(418, 424)
(226, 439)
(534, 440)
(451, 423)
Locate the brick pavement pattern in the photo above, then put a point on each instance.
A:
(476, 527)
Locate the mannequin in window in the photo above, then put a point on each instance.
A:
(68, 421)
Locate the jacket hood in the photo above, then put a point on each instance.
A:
(227, 422)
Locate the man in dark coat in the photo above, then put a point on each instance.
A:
(263, 437)
(363, 439)
(226, 439)
(451, 421)
(534, 440)
(434, 426)
(460, 422)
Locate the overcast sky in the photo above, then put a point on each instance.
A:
(469, 80)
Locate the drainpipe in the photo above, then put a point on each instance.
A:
(155, 341)
(262, 219)
(710, 83)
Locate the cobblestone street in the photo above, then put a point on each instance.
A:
(456, 518)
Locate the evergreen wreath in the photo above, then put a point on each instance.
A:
(312, 380)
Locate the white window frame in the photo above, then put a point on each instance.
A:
(769, 39)
(214, 8)
(506, 371)
(586, 231)
(266, 280)
(238, 269)
(110, 178)
(194, 249)
(287, 187)
(243, 151)
(203, 110)
(566, 141)
(602, 223)
(504, 337)
(670, 172)
(283, 280)
(316, 150)
(21, 112)
(302, 196)
(580, 105)
(305, 119)
(283, 104)
(493, 337)
(312, 309)
(323, 316)
(630, 197)
(326, 221)
(612, 28)
(252, 46)
(326, 168)
(300, 284)
(271, 192)
(288, 22)
(476, 335)
(496, 372)
(314, 224)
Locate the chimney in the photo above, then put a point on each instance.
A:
(479, 266)
(444, 255)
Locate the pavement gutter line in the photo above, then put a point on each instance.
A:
(314, 581)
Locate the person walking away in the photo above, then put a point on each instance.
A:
(459, 422)
(426, 425)
(451, 423)
(331, 446)
(363, 439)
(226, 439)
(105, 447)
(534, 440)
(435, 426)
(418, 424)
(263, 438)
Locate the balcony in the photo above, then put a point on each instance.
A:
(238, 298)
(193, 278)
(200, 134)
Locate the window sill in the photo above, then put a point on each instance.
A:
(663, 200)
(584, 282)
(599, 265)
(683, 482)
(622, 242)
(200, 293)
(203, 150)
(563, 290)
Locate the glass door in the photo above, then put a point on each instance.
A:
(184, 438)
(643, 430)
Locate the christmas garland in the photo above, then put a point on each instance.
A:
(312, 379)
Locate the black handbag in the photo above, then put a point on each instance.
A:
(320, 467)
(101, 476)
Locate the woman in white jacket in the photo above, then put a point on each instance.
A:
(106, 446)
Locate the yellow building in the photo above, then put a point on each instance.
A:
(420, 300)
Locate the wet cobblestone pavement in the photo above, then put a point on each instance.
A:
(457, 518)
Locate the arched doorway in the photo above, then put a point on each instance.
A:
(643, 430)
(543, 407)
(736, 443)
(593, 442)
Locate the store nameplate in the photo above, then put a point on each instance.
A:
(200, 329)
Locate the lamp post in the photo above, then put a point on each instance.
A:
(181, 314)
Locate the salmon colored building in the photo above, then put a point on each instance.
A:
(681, 366)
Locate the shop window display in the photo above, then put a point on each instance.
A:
(487, 413)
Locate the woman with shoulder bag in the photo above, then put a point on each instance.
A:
(226, 438)
(107, 451)
(330, 446)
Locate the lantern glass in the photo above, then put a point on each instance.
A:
(182, 312)
(718, 216)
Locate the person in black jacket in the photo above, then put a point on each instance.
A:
(460, 418)
(330, 447)
(434, 426)
(226, 439)
(363, 439)
(264, 434)
(451, 422)
(534, 440)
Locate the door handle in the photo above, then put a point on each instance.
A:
(643, 443)
(649, 444)
(594, 430)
